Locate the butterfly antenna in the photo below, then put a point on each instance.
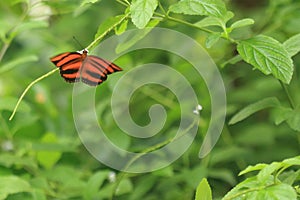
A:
(78, 42)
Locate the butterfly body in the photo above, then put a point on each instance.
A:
(76, 66)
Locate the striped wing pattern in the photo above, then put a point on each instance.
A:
(91, 70)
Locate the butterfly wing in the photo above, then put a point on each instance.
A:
(95, 70)
(69, 64)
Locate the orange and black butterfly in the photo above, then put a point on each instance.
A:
(76, 66)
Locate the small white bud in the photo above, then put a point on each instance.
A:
(112, 177)
(197, 109)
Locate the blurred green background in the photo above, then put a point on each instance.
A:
(41, 156)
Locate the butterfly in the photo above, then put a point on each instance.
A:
(78, 66)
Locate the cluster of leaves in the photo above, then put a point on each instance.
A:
(273, 181)
(41, 158)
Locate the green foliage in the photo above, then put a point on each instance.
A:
(203, 191)
(214, 8)
(242, 23)
(273, 181)
(12, 185)
(142, 11)
(267, 55)
(291, 116)
(268, 183)
(292, 45)
(88, 2)
(17, 62)
(41, 155)
(48, 159)
(253, 108)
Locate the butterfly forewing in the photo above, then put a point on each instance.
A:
(69, 65)
(75, 66)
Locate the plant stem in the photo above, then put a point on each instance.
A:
(291, 102)
(122, 2)
(26, 90)
(184, 22)
(3, 50)
(100, 37)
(150, 149)
(194, 26)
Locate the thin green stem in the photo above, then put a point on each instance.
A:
(5, 128)
(148, 150)
(193, 25)
(123, 3)
(162, 8)
(3, 50)
(183, 22)
(289, 97)
(100, 37)
(240, 194)
(27, 88)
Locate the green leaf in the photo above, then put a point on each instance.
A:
(38, 194)
(60, 7)
(289, 177)
(165, 172)
(267, 171)
(251, 189)
(14, 2)
(94, 183)
(278, 192)
(253, 108)
(294, 120)
(121, 28)
(236, 192)
(292, 45)
(212, 39)
(108, 24)
(84, 2)
(209, 21)
(18, 62)
(9, 160)
(142, 11)
(242, 23)
(281, 114)
(232, 61)
(292, 117)
(267, 55)
(8, 103)
(203, 191)
(25, 26)
(143, 187)
(250, 168)
(292, 161)
(137, 37)
(48, 158)
(68, 178)
(215, 21)
(125, 187)
(214, 8)
(12, 185)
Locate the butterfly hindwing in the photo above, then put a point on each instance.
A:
(95, 70)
